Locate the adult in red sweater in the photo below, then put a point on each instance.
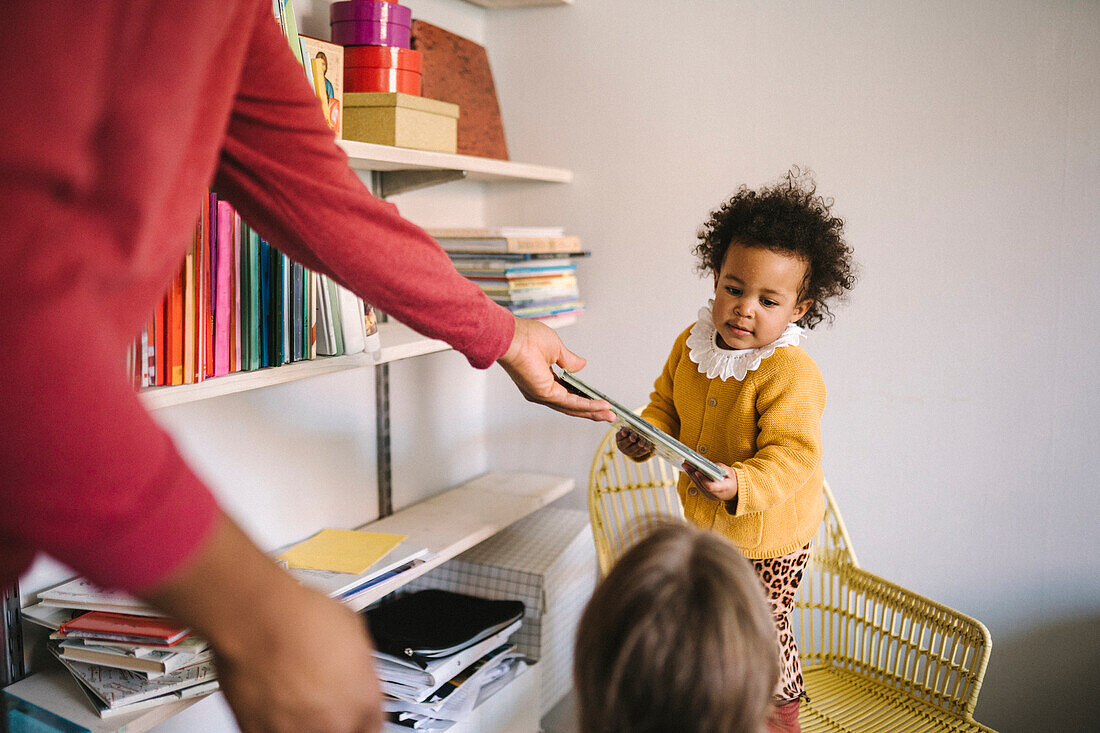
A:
(115, 118)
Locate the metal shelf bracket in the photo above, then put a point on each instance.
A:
(395, 182)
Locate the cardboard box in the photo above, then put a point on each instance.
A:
(546, 560)
(455, 69)
(404, 120)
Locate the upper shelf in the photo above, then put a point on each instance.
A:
(517, 3)
(369, 156)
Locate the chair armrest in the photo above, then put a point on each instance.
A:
(892, 634)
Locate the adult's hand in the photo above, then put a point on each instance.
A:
(535, 346)
(288, 658)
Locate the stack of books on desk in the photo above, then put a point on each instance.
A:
(440, 654)
(122, 653)
(531, 271)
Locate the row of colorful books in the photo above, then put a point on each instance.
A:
(239, 304)
(531, 271)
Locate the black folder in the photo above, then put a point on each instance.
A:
(430, 624)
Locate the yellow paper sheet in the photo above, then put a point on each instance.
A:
(341, 550)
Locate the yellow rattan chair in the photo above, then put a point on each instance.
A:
(876, 657)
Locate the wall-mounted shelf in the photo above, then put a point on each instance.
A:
(447, 524)
(450, 523)
(517, 3)
(398, 342)
(403, 169)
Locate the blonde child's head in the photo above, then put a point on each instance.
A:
(791, 222)
(677, 637)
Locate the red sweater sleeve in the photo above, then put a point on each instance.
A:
(280, 166)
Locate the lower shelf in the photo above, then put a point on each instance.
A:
(508, 711)
(447, 524)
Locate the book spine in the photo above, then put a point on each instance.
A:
(140, 372)
(211, 273)
(297, 282)
(336, 315)
(160, 344)
(174, 332)
(202, 244)
(265, 303)
(148, 338)
(222, 307)
(311, 309)
(278, 308)
(254, 302)
(235, 313)
(287, 307)
(189, 314)
(245, 265)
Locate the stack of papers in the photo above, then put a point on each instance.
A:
(403, 679)
(122, 662)
(126, 656)
(433, 691)
(116, 691)
(456, 699)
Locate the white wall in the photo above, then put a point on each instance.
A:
(960, 142)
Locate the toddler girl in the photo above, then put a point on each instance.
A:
(739, 389)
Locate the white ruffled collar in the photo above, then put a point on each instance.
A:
(722, 363)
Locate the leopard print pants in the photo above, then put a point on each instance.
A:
(781, 577)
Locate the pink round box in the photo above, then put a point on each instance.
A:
(370, 23)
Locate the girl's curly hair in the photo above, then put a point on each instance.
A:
(788, 217)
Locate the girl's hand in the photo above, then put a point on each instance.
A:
(722, 490)
(632, 445)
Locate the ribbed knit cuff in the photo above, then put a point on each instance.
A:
(742, 486)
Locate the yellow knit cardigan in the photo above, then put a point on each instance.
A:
(766, 427)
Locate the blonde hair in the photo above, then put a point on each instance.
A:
(678, 637)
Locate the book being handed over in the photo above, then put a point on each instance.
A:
(664, 444)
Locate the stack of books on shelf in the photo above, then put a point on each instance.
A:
(531, 271)
(126, 656)
(238, 304)
(123, 654)
(440, 654)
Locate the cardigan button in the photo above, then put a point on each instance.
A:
(712, 402)
(702, 449)
(693, 491)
